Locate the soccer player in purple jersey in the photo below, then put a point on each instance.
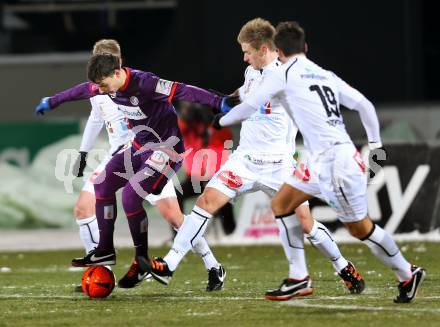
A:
(156, 150)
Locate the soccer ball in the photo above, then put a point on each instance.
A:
(98, 282)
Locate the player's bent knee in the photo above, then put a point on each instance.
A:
(205, 200)
(172, 217)
(82, 212)
(303, 213)
(361, 229)
(78, 212)
(100, 189)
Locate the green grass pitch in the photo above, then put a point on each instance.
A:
(36, 289)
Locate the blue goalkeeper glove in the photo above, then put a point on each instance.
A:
(229, 102)
(43, 106)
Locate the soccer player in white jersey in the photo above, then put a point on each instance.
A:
(311, 96)
(105, 112)
(262, 161)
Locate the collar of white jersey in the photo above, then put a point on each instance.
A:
(295, 57)
(273, 63)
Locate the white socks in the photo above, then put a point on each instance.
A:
(89, 232)
(202, 249)
(292, 239)
(193, 227)
(383, 247)
(320, 237)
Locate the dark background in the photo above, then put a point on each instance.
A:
(387, 49)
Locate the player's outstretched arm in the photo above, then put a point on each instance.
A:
(270, 86)
(236, 115)
(228, 101)
(93, 127)
(170, 90)
(78, 92)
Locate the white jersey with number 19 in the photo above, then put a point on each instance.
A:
(311, 96)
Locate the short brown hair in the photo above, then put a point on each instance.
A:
(102, 65)
(290, 38)
(257, 32)
(107, 46)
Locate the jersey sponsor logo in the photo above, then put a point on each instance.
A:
(134, 113)
(134, 100)
(313, 74)
(260, 161)
(334, 122)
(164, 87)
(231, 180)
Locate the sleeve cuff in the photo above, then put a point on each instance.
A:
(374, 145)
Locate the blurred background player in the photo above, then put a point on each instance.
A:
(106, 111)
(262, 161)
(312, 97)
(205, 153)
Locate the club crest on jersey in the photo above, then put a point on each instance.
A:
(134, 100)
(266, 109)
(231, 180)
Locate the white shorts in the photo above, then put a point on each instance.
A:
(245, 173)
(338, 178)
(167, 192)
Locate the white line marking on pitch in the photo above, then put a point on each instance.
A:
(306, 304)
(120, 295)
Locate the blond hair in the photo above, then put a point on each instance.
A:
(107, 46)
(257, 32)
